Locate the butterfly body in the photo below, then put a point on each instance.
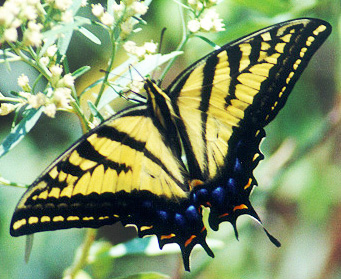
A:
(191, 146)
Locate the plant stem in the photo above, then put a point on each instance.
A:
(82, 255)
(185, 38)
(106, 77)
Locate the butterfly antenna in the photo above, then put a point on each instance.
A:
(122, 95)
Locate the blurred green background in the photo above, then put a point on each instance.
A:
(298, 198)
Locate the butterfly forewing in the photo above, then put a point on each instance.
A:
(126, 154)
(242, 85)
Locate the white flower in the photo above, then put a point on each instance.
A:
(62, 5)
(218, 25)
(10, 35)
(23, 81)
(196, 4)
(6, 108)
(84, 3)
(206, 23)
(16, 23)
(50, 110)
(139, 8)
(140, 51)
(12, 7)
(25, 95)
(68, 80)
(97, 10)
(118, 8)
(62, 97)
(150, 47)
(33, 26)
(67, 16)
(32, 35)
(193, 25)
(211, 21)
(56, 70)
(33, 2)
(51, 50)
(30, 13)
(126, 27)
(44, 60)
(107, 19)
(6, 17)
(129, 46)
(33, 38)
(36, 101)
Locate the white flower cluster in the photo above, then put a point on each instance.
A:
(49, 57)
(124, 14)
(15, 13)
(199, 5)
(206, 18)
(6, 108)
(29, 14)
(56, 97)
(140, 51)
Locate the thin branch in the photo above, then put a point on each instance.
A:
(81, 258)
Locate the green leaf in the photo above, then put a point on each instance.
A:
(64, 42)
(110, 4)
(67, 31)
(81, 71)
(95, 112)
(146, 275)
(89, 35)
(268, 7)
(76, 4)
(20, 130)
(212, 44)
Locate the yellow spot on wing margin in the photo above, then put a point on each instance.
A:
(33, 220)
(18, 224)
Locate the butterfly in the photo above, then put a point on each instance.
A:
(156, 165)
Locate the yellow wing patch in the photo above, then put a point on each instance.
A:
(138, 161)
(219, 89)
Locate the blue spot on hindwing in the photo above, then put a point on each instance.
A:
(218, 196)
(199, 197)
(192, 213)
(163, 215)
(231, 186)
(180, 220)
(238, 168)
(147, 204)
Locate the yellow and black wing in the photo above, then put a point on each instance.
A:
(128, 169)
(125, 155)
(224, 100)
(131, 167)
(243, 84)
